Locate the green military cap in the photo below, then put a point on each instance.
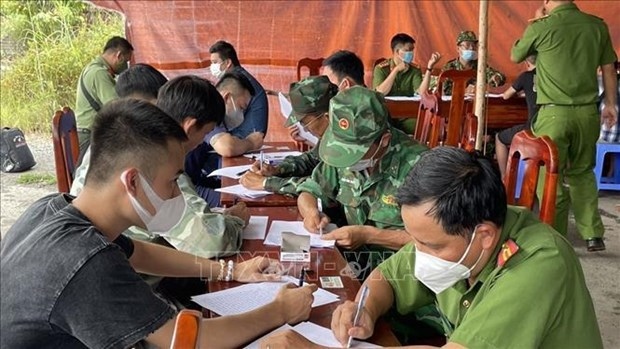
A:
(310, 96)
(467, 35)
(357, 118)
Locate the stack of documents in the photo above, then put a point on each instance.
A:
(242, 191)
(248, 297)
(275, 157)
(274, 236)
(315, 333)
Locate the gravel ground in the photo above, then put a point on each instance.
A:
(602, 269)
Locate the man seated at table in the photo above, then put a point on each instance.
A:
(399, 76)
(467, 48)
(72, 250)
(497, 273)
(237, 92)
(526, 83)
(343, 69)
(310, 102)
(364, 160)
(255, 115)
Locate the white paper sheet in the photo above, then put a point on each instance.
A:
(256, 229)
(315, 333)
(274, 236)
(233, 172)
(404, 98)
(275, 156)
(242, 191)
(248, 297)
(264, 147)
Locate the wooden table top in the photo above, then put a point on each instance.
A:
(276, 200)
(324, 262)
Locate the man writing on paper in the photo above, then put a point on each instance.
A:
(310, 102)
(364, 161)
(72, 250)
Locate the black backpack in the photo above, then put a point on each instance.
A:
(15, 156)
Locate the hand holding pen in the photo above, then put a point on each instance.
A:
(358, 313)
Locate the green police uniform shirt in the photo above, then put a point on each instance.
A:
(293, 171)
(368, 200)
(99, 82)
(494, 77)
(405, 84)
(537, 299)
(566, 79)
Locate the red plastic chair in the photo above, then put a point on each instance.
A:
(312, 64)
(534, 152)
(455, 116)
(186, 330)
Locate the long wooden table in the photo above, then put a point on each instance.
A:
(324, 262)
(501, 113)
(277, 200)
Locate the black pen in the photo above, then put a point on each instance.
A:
(242, 173)
(302, 276)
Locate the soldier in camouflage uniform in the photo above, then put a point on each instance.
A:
(467, 45)
(364, 161)
(310, 101)
(399, 76)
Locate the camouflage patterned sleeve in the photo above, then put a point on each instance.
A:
(202, 232)
(299, 166)
(322, 184)
(286, 186)
(494, 77)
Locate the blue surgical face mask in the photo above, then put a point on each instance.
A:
(407, 56)
(469, 55)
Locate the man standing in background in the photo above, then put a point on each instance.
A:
(95, 86)
(571, 45)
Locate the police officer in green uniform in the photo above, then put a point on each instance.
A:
(399, 76)
(95, 86)
(364, 161)
(310, 102)
(467, 48)
(571, 45)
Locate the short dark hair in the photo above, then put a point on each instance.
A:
(346, 64)
(129, 132)
(191, 96)
(465, 189)
(118, 43)
(401, 39)
(235, 80)
(226, 51)
(140, 80)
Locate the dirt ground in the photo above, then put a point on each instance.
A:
(602, 269)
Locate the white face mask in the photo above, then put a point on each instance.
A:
(216, 69)
(438, 274)
(168, 213)
(235, 118)
(365, 164)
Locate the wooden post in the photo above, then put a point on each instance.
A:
(481, 79)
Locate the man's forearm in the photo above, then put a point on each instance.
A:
(380, 296)
(610, 84)
(228, 145)
(392, 239)
(159, 260)
(386, 86)
(307, 204)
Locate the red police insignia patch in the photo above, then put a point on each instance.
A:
(343, 123)
(509, 249)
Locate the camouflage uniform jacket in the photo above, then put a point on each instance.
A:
(368, 200)
(455, 64)
(405, 84)
(201, 232)
(293, 171)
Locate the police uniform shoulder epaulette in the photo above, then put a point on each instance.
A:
(384, 64)
(414, 65)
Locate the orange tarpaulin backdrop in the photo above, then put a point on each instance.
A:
(271, 36)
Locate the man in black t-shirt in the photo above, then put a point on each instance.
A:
(526, 83)
(69, 278)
